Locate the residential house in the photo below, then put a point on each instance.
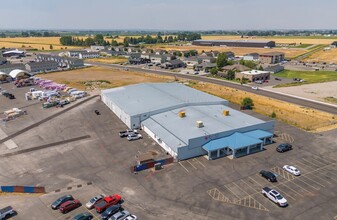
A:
(88, 55)
(229, 54)
(145, 55)
(206, 59)
(64, 62)
(146, 51)
(235, 67)
(191, 62)
(96, 47)
(118, 48)
(173, 64)
(137, 60)
(205, 66)
(35, 67)
(160, 52)
(251, 57)
(74, 53)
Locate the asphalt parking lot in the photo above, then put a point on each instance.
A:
(100, 162)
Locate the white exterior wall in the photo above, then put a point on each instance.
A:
(160, 142)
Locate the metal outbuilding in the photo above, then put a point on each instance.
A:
(18, 73)
(187, 122)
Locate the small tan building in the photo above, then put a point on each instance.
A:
(253, 75)
(272, 57)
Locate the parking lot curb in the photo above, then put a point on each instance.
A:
(72, 187)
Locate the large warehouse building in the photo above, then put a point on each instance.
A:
(186, 122)
(234, 43)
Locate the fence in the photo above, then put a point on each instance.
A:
(151, 164)
(22, 189)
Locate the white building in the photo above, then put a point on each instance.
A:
(186, 122)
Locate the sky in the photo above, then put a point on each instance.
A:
(168, 14)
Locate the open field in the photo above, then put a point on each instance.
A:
(305, 118)
(116, 77)
(308, 76)
(34, 42)
(323, 56)
(289, 53)
(109, 60)
(280, 39)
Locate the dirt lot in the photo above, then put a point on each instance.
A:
(109, 60)
(116, 77)
(305, 118)
(284, 40)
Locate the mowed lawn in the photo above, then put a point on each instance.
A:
(307, 76)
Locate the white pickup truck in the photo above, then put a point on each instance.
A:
(274, 196)
(6, 212)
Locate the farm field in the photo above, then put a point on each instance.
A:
(280, 39)
(110, 78)
(289, 53)
(34, 42)
(323, 56)
(308, 76)
(304, 118)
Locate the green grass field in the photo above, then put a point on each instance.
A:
(303, 46)
(307, 76)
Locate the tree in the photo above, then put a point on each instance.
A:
(221, 60)
(230, 75)
(25, 34)
(51, 47)
(42, 48)
(260, 68)
(46, 34)
(214, 71)
(89, 41)
(67, 40)
(273, 115)
(247, 103)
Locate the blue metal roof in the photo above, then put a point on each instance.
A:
(258, 134)
(234, 141)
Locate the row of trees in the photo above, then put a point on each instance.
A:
(76, 41)
(39, 34)
(160, 39)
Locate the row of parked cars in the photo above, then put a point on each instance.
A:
(131, 135)
(273, 194)
(110, 207)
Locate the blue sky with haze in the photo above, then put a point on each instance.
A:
(168, 14)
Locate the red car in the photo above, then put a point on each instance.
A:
(107, 202)
(70, 205)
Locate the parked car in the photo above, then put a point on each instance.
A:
(258, 81)
(83, 216)
(255, 87)
(132, 137)
(131, 217)
(120, 215)
(108, 201)
(291, 169)
(56, 204)
(279, 79)
(6, 212)
(268, 175)
(284, 147)
(111, 211)
(69, 205)
(274, 196)
(93, 201)
(127, 133)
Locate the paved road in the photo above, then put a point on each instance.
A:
(287, 98)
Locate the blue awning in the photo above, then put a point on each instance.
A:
(259, 134)
(234, 142)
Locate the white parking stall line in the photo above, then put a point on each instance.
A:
(191, 164)
(199, 162)
(183, 167)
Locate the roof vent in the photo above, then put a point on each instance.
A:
(182, 114)
(200, 124)
(225, 112)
